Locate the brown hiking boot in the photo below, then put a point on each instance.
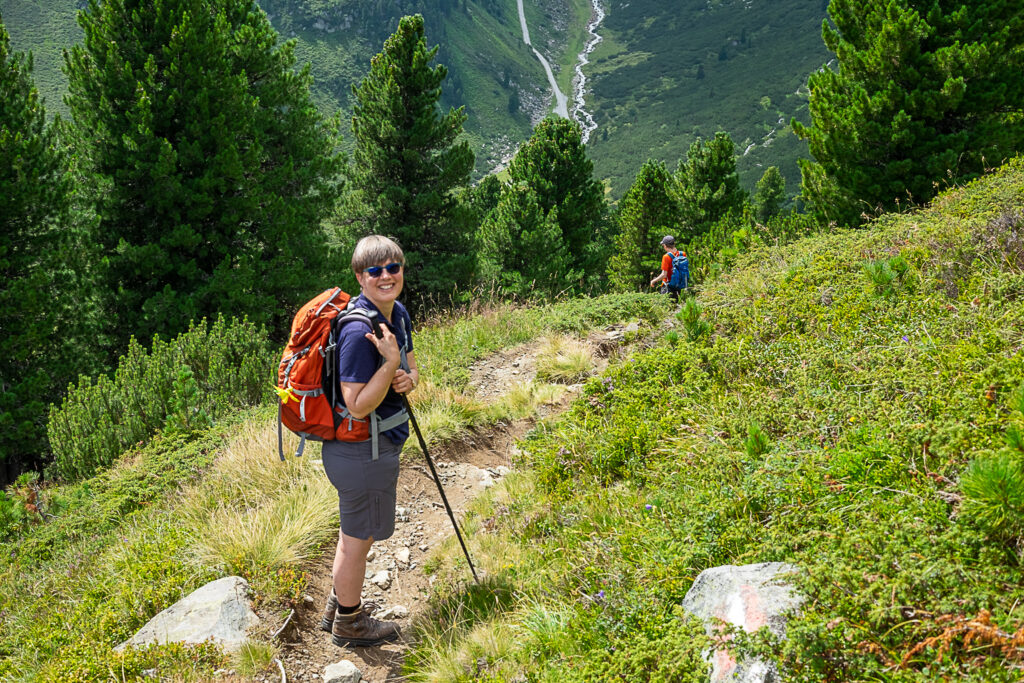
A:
(327, 622)
(360, 628)
(329, 610)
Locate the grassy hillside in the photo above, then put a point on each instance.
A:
(854, 406)
(179, 509)
(669, 72)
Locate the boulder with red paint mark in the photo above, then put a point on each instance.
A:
(749, 596)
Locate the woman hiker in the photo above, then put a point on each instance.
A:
(373, 372)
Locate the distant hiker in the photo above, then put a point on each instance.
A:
(675, 269)
(372, 372)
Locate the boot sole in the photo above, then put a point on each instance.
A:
(327, 625)
(363, 642)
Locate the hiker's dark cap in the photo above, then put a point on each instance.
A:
(668, 240)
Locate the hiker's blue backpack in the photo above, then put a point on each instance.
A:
(680, 271)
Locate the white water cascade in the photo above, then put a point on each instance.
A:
(582, 116)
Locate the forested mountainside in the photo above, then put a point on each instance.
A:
(669, 72)
(664, 73)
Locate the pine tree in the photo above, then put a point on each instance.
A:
(553, 164)
(709, 187)
(522, 251)
(926, 93)
(210, 166)
(770, 194)
(647, 212)
(409, 160)
(38, 325)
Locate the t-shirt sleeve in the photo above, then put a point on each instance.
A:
(666, 263)
(357, 356)
(408, 330)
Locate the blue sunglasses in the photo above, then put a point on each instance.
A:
(392, 268)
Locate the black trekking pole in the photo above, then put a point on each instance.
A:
(437, 480)
(375, 324)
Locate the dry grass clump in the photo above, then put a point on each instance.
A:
(254, 510)
(565, 360)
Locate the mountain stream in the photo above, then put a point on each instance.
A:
(579, 81)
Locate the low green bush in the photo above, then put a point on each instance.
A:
(886, 463)
(200, 375)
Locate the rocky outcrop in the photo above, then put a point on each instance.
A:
(749, 596)
(219, 611)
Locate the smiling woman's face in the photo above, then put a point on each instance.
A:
(384, 289)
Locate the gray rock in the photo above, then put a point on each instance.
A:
(381, 579)
(219, 611)
(396, 612)
(342, 672)
(750, 596)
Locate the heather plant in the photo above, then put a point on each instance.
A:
(199, 376)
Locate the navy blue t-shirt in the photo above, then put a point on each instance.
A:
(358, 358)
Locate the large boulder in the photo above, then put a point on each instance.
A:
(219, 611)
(750, 596)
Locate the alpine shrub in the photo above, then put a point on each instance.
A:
(694, 326)
(228, 366)
(993, 489)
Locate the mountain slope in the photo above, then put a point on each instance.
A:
(669, 72)
(645, 91)
(853, 405)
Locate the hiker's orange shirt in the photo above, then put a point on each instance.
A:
(666, 264)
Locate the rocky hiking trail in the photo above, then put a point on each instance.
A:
(395, 579)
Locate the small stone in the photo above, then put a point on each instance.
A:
(370, 556)
(501, 470)
(308, 599)
(396, 612)
(382, 579)
(402, 514)
(402, 556)
(342, 672)
(423, 547)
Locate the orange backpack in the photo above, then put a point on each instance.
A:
(307, 381)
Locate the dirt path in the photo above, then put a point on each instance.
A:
(466, 468)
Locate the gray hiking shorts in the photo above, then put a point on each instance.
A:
(366, 487)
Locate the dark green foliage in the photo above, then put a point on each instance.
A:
(41, 327)
(887, 276)
(757, 442)
(693, 324)
(484, 196)
(925, 94)
(207, 164)
(709, 187)
(553, 165)
(648, 212)
(770, 194)
(229, 365)
(185, 411)
(409, 160)
(521, 251)
(993, 489)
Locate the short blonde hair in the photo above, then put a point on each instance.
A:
(375, 249)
